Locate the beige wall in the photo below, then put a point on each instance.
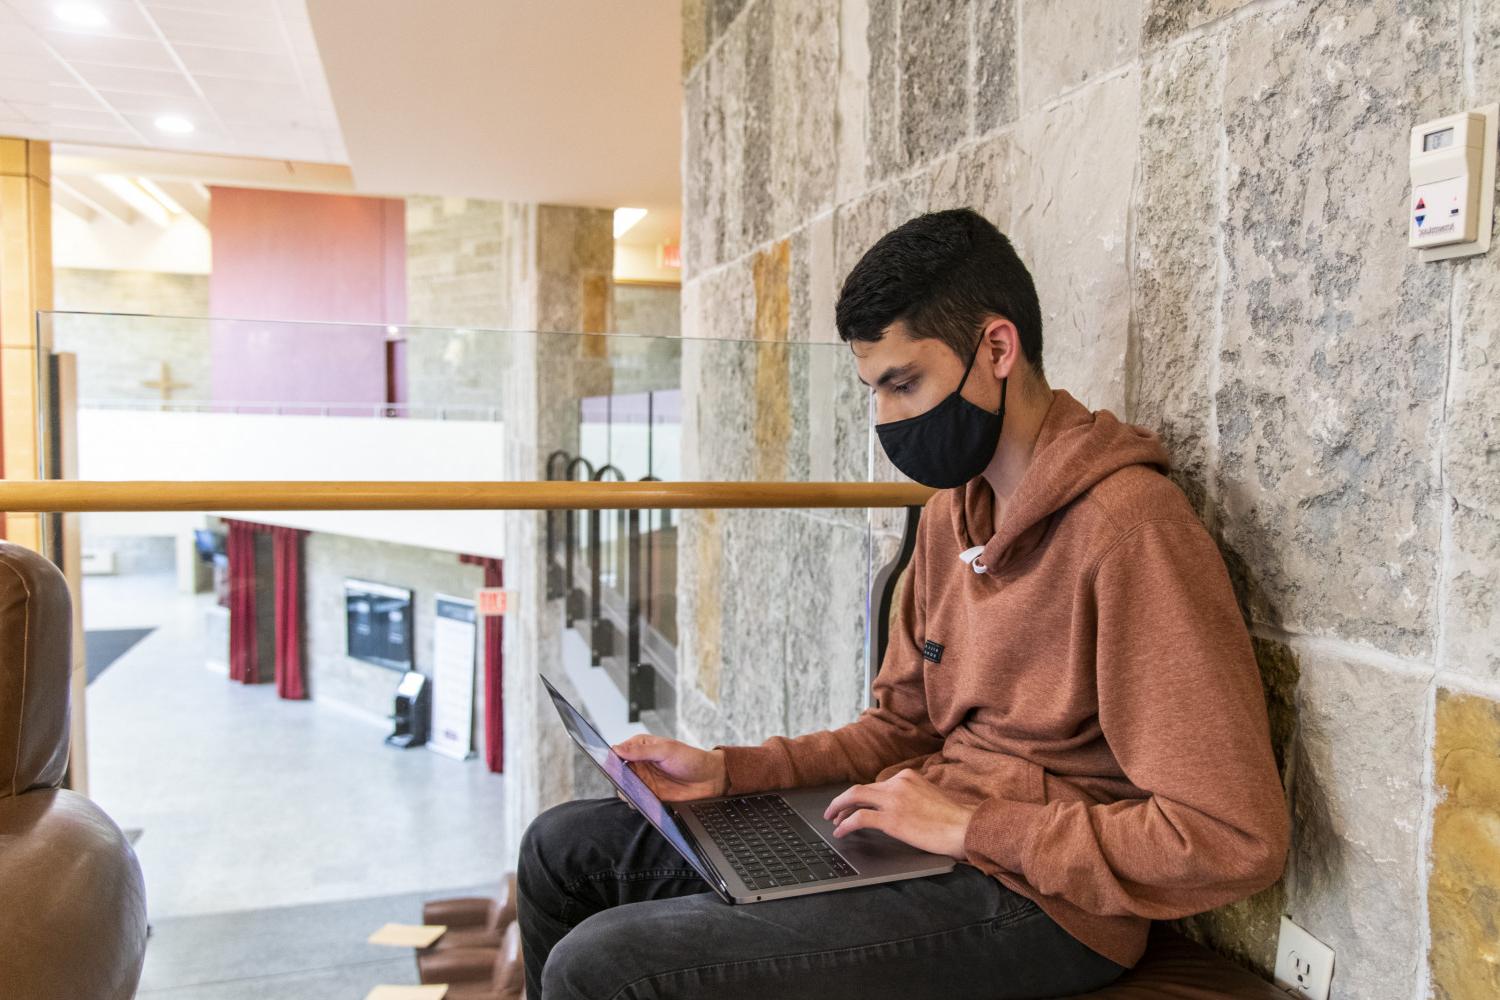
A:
(1210, 195)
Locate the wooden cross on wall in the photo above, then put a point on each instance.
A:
(165, 383)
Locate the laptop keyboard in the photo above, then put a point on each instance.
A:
(768, 844)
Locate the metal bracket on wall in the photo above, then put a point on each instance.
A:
(642, 682)
(574, 608)
(601, 632)
(555, 583)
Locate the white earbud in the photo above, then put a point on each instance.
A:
(971, 557)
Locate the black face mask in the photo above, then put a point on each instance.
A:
(950, 443)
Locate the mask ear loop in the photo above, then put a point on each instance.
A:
(971, 364)
(1003, 381)
(963, 508)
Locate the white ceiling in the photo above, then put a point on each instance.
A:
(574, 102)
(245, 72)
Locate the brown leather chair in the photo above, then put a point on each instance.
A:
(1175, 968)
(72, 902)
(483, 973)
(475, 924)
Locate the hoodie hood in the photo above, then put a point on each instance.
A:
(1075, 449)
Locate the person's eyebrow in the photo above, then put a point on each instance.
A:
(898, 371)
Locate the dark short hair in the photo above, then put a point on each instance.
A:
(940, 274)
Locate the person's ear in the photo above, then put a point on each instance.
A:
(1003, 344)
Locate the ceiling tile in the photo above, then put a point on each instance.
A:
(16, 40)
(146, 122)
(295, 144)
(34, 63)
(257, 85)
(69, 117)
(196, 27)
(146, 81)
(292, 10)
(61, 94)
(139, 53)
(204, 134)
(251, 98)
(241, 8)
(132, 102)
(235, 63)
(122, 18)
(99, 136)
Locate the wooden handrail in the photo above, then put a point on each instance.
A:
(48, 496)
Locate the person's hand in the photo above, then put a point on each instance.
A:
(675, 771)
(908, 807)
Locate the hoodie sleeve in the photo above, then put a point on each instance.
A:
(1181, 706)
(897, 729)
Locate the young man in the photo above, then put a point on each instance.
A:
(1069, 705)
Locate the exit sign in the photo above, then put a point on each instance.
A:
(493, 601)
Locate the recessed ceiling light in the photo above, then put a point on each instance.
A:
(625, 218)
(175, 124)
(82, 15)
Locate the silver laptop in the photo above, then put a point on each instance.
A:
(761, 846)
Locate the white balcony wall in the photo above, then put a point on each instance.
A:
(123, 444)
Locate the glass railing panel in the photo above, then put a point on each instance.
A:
(664, 607)
(710, 625)
(249, 780)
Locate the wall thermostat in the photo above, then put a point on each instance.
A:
(1453, 184)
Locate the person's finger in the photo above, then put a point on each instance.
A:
(852, 797)
(862, 819)
(642, 747)
(626, 748)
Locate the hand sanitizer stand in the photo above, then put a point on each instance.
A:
(413, 706)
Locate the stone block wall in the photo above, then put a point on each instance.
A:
(648, 310)
(460, 286)
(1210, 195)
(117, 355)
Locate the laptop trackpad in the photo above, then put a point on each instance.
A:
(871, 852)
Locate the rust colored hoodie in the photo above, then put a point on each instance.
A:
(1094, 692)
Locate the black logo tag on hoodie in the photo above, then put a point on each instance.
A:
(932, 651)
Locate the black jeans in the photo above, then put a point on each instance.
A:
(609, 910)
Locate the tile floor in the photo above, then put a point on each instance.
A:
(312, 952)
(276, 835)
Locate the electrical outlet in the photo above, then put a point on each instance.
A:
(1304, 965)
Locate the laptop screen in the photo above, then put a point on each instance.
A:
(626, 780)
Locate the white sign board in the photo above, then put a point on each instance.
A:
(453, 643)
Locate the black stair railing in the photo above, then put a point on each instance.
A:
(576, 606)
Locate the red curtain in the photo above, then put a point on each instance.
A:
(494, 668)
(287, 546)
(244, 655)
(244, 615)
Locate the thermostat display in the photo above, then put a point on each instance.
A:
(1437, 140)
